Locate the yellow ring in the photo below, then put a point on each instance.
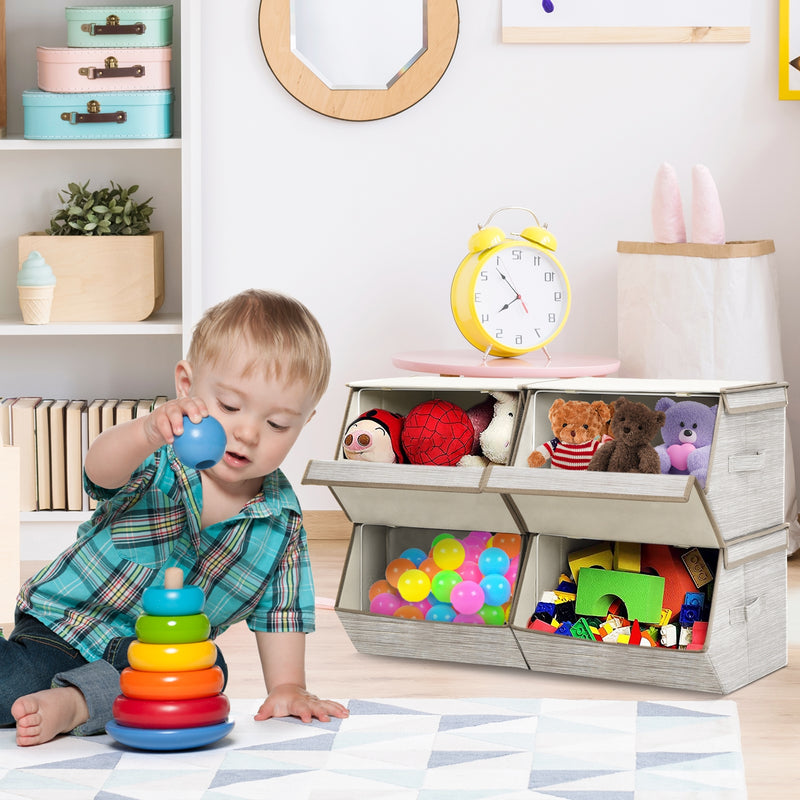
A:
(172, 657)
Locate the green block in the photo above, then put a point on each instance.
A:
(580, 630)
(643, 595)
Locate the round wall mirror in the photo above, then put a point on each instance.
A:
(358, 59)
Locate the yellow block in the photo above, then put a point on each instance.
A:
(628, 556)
(598, 555)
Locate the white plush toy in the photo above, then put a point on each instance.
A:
(495, 440)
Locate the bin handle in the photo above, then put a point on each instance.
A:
(747, 462)
(746, 613)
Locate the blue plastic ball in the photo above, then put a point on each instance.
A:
(415, 555)
(202, 444)
(441, 612)
(493, 561)
(496, 589)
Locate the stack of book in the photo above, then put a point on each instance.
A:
(53, 437)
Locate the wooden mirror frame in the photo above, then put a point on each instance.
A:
(274, 25)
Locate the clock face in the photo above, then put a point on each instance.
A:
(520, 296)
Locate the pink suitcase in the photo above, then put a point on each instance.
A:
(95, 69)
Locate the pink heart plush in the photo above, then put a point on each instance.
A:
(679, 454)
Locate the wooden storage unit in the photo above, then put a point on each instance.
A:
(739, 519)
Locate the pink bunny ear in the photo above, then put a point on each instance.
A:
(708, 224)
(667, 210)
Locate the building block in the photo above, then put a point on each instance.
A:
(627, 556)
(564, 629)
(540, 625)
(697, 567)
(663, 560)
(699, 633)
(598, 555)
(689, 615)
(581, 630)
(642, 594)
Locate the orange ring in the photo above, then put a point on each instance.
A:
(172, 657)
(171, 685)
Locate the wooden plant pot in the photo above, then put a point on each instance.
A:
(102, 278)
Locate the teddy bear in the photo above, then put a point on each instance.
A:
(578, 429)
(687, 433)
(633, 425)
(375, 436)
(494, 439)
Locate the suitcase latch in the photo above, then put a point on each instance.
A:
(113, 28)
(93, 114)
(112, 69)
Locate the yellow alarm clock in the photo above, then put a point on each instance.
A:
(510, 295)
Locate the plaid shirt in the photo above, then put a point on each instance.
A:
(252, 567)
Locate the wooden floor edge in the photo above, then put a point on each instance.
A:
(331, 524)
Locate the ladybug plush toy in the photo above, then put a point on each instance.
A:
(375, 436)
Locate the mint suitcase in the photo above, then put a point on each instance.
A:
(119, 26)
(98, 115)
(90, 69)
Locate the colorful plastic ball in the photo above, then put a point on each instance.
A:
(494, 561)
(492, 615)
(202, 444)
(480, 536)
(496, 589)
(472, 551)
(385, 604)
(510, 543)
(467, 597)
(441, 612)
(511, 572)
(414, 585)
(469, 619)
(414, 554)
(429, 567)
(448, 554)
(443, 583)
(438, 538)
(409, 611)
(396, 568)
(381, 587)
(469, 571)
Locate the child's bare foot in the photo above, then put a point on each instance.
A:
(43, 715)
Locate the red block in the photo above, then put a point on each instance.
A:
(664, 560)
(541, 625)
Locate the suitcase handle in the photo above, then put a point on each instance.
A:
(113, 28)
(93, 115)
(112, 70)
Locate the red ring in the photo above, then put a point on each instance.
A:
(171, 685)
(151, 714)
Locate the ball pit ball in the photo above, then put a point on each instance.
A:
(414, 554)
(496, 589)
(441, 612)
(470, 571)
(396, 568)
(428, 566)
(414, 585)
(443, 583)
(467, 597)
(494, 561)
(439, 537)
(385, 604)
(469, 619)
(202, 444)
(492, 615)
(381, 587)
(510, 543)
(448, 554)
(408, 611)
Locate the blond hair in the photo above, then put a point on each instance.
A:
(286, 337)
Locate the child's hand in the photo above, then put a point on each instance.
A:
(290, 700)
(166, 422)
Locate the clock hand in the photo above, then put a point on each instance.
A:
(513, 289)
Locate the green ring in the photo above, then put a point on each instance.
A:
(172, 630)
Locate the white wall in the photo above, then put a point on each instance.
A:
(366, 222)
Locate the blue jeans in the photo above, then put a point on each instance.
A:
(34, 658)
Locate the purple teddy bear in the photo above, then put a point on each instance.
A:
(687, 434)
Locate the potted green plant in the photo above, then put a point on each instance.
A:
(108, 264)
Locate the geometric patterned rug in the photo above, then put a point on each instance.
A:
(413, 749)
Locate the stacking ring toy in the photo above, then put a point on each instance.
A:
(171, 685)
(193, 713)
(168, 739)
(202, 444)
(172, 630)
(173, 602)
(172, 657)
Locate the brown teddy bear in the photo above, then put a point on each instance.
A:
(578, 427)
(633, 425)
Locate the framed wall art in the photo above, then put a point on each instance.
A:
(789, 50)
(622, 21)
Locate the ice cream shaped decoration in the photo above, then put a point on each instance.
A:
(172, 692)
(36, 285)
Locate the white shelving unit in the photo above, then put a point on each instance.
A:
(76, 360)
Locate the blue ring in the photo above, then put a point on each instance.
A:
(166, 602)
(168, 739)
